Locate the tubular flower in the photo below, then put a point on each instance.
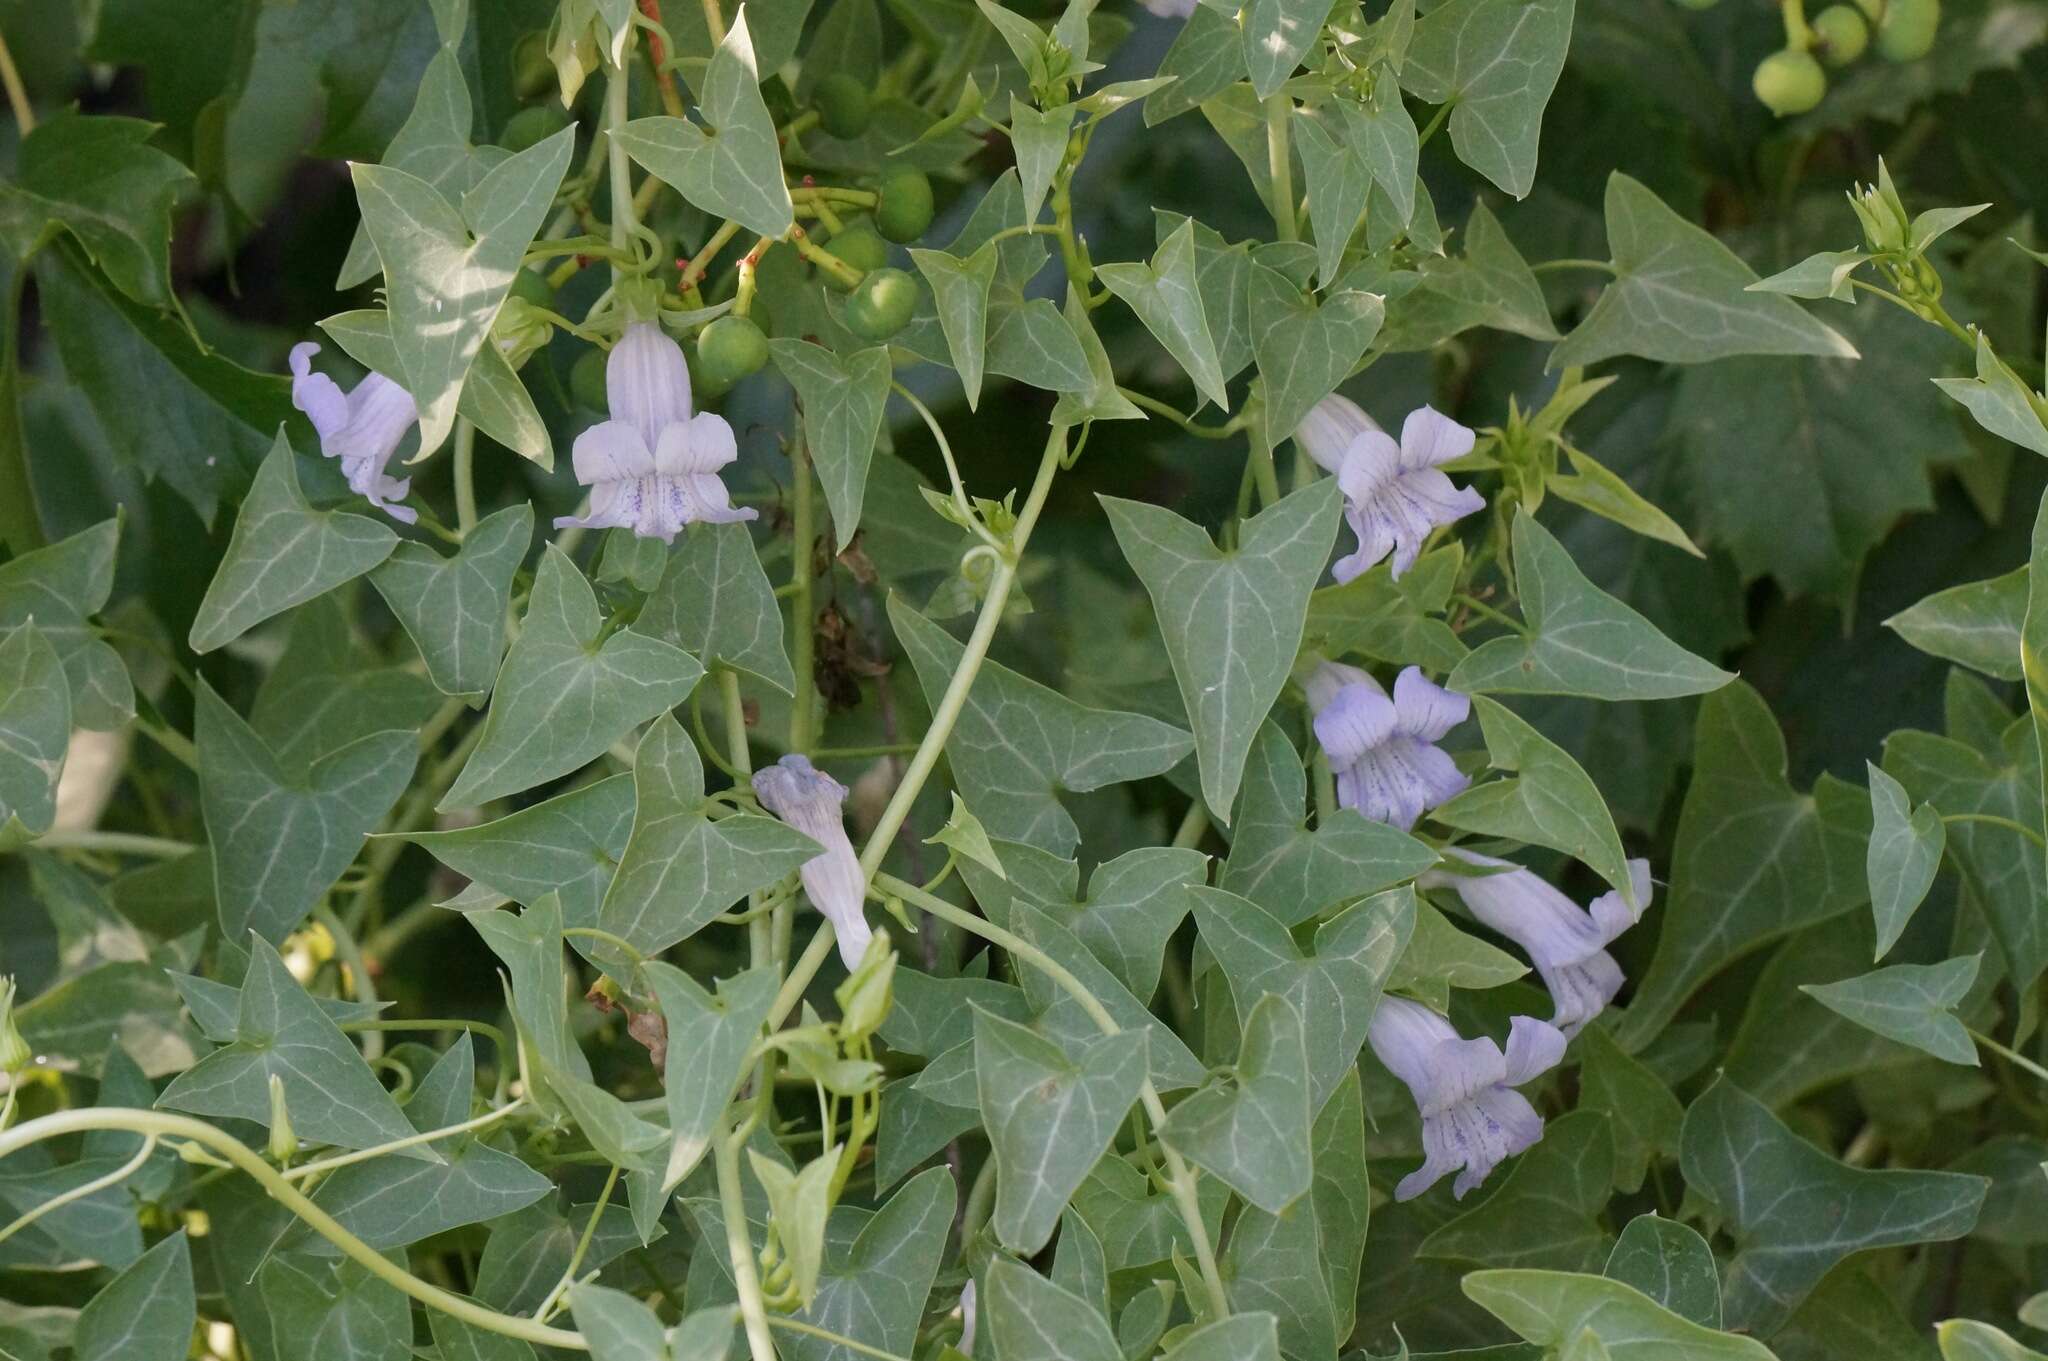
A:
(653, 467)
(1394, 494)
(1472, 1118)
(810, 800)
(1383, 749)
(361, 427)
(1566, 944)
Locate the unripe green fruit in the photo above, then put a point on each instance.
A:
(533, 75)
(586, 382)
(529, 287)
(1841, 34)
(1789, 82)
(1906, 32)
(728, 350)
(860, 247)
(882, 305)
(906, 207)
(844, 105)
(533, 125)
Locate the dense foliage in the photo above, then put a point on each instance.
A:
(914, 678)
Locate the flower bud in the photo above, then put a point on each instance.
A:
(1329, 428)
(284, 1144)
(865, 996)
(15, 1053)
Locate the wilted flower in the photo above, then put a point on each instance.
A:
(653, 467)
(361, 427)
(810, 800)
(1394, 494)
(1472, 1118)
(1566, 944)
(1383, 750)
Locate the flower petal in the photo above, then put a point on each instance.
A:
(1426, 710)
(1357, 720)
(1534, 1048)
(611, 451)
(1326, 433)
(1428, 437)
(702, 444)
(647, 382)
(319, 396)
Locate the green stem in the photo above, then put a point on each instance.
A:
(1194, 825)
(863, 753)
(114, 843)
(802, 531)
(339, 1160)
(1179, 1176)
(1573, 262)
(175, 744)
(360, 985)
(17, 93)
(1436, 121)
(1280, 164)
(739, 1246)
(790, 1325)
(465, 476)
(618, 171)
(1264, 473)
(84, 1189)
(1187, 423)
(1994, 820)
(162, 1124)
(2012, 1056)
(604, 1197)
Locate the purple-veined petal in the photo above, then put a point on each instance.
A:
(647, 382)
(611, 451)
(1356, 720)
(1427, 711)
(1326, 433)
(1428, 437)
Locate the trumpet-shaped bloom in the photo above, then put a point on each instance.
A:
(810, 800)
(1472, 1118)
(1394, 494)
(653, 467)
(1567, 944)
(1383, 749)
(362, 427)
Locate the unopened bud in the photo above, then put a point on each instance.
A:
(15, 1054)
(284, 1144)
(865, 996)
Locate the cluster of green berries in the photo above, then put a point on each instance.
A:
(1793, 79)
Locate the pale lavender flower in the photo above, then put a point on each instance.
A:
(1566, 944)
(1394, 494)
(966, 1344)
(362, 427)
(1171, 9)
(653, 467)
(1383, 750)
(1472, 1118)
(810, 800)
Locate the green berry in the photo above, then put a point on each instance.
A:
(532, 125)
(533, 75)
(586, 382)
(882, 305)
(1906, 32)
(529, 287)
(906, 207)
(1840, 34)
(1789, 82)
(728, 350)
(844, 105)
(860, 247)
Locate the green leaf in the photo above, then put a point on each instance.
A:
(1997, 400)
(328, 689)
(617, 1326)
(1277, 33)
(60, 587)
(1040, 141)
(283, 553)
(144, 1314)
(331, 1094)
(1824, 274)
(1755, 859)
(1582, 641)
(1489, 285)
(1241, 1337)
(1795, 1212)
(1591, 485)
(1495, 62)
(798, 1203)
(1672, 1265)
(493, 397)
(337, 1312)
(283, 833)
(1305, 350)
(527, 1252)
(1976, 624)
(2034, 645)
(1546, 1213)
(1398, 622)
(563, 696)
(216, 1007)
(1905, 854)
(1910, 1003)
(1167, 296)
(1338, 184)
(1551, 1308)
(1275, 1264)
(878, 1272)
(1680, 296)
(1207, 58)
(1018, 745)
(1049, 1117)
(1642, 1113)
(960, 291)
(569, 844)
(1031, 1319)
(1232, 620)
(842, 401)
(731, 167)
(1223, 274)
(1339, 984)
(1295, 873)
(2002, 867)
(95, 1226)
(1550, 801)
(711, 598)
(1252, 1130)
(682, 867)
(447, 271)
(708, 1040)
(964, 836)
(454, 609)
(1965, 1339)
(35, 734)
(1383, 138)
(97, 177)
